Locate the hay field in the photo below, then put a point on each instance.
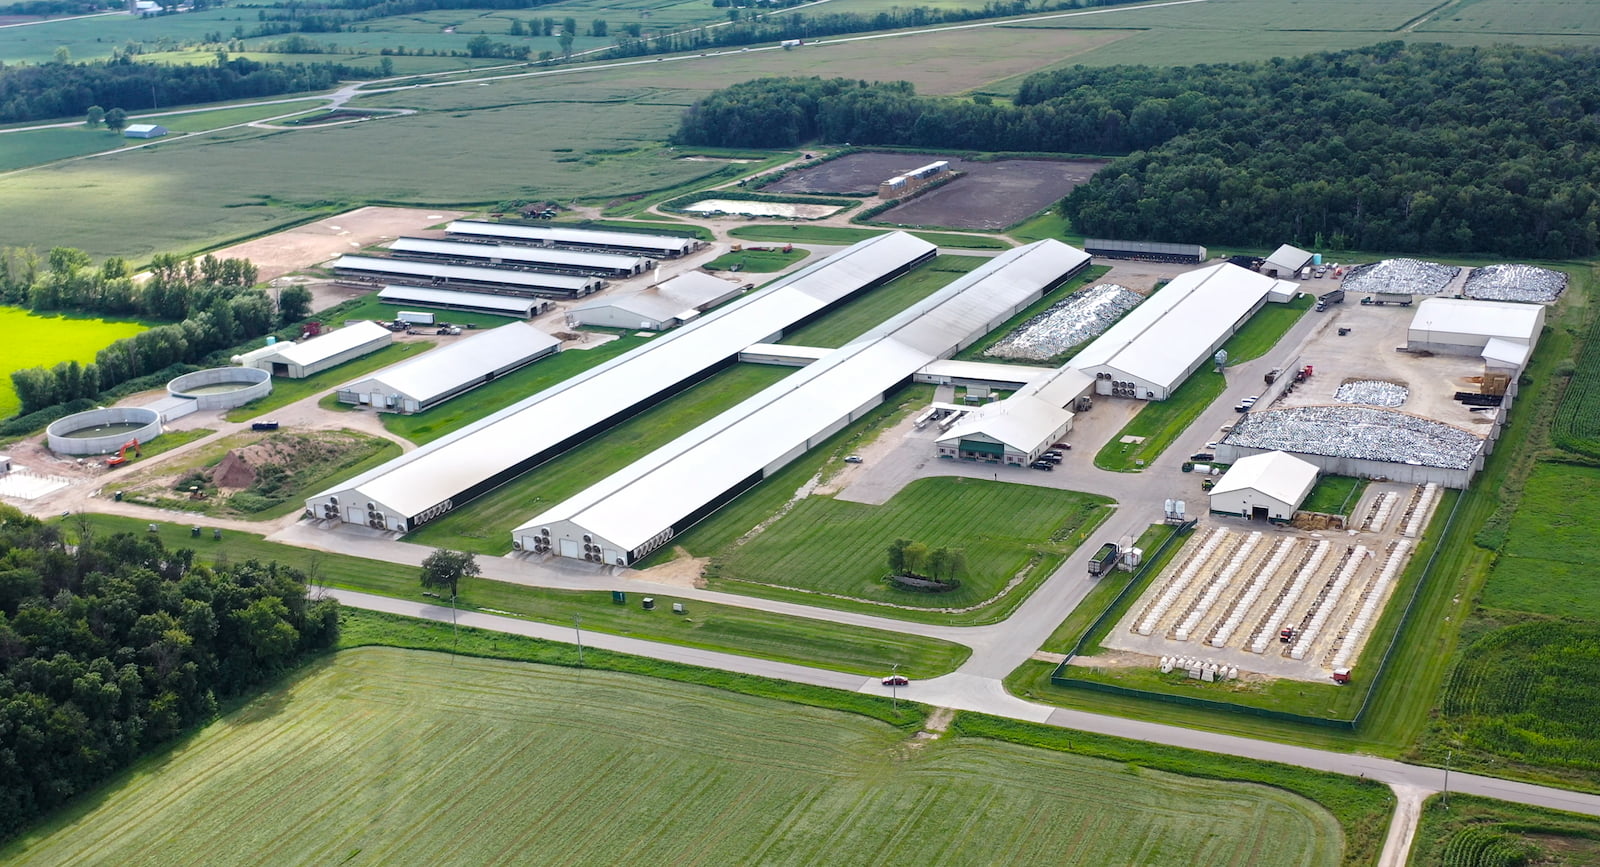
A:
(382, 756)
(34, 340)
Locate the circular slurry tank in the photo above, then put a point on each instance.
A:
(102, 431)
(222, 387)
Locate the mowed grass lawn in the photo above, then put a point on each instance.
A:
(756, 261)
(34, 340)
(1553, 550)
(484, 525)
(832, 546)
(379, 756)
(286, 391)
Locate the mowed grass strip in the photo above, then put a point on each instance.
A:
(707, 625)
(870, 309)
(286, 391)
(756, 261)
(40, 340)
(831, 546)
(484, 525)
(558, 765)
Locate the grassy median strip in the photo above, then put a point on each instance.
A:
(705, 625)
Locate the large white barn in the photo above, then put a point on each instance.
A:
(631, 513)
(1461, 326)
(524, 306)
(434, 377)
(430, 481)
(310, 357)
(443, 275)
(1271, 485)
(1153, 349)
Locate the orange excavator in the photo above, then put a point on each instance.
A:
(122, 453)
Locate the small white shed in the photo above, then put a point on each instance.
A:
(1270, 485)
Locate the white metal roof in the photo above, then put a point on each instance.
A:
(447, 466)
(478, 300)
(1505, 319)
(328, 344)
(429, 270)
(646, 304)
(1278, 475)
(522, 254)
(1020, 422)
(1288, 259)
(1506, 352)
(696, 288)
(447, 368)
(636, 503)
(1059, 387)
(1159, 339)
(667, 244)
(1016, 375)
(142, 127)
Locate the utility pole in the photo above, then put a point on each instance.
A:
(894, 686)
(1448, 756)
(577, 626)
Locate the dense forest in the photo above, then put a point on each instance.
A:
(114, 645)
(1409, 148)
(209, 301)
(54, 90)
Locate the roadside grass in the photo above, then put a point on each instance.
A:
(45, 340)
(484, 525)
(848, 235)
(1460, 830)
(481, 402)
(1049, 224)
(201, 121)
(835, 547)
(873, 307)
(1073, 631)
(1266, 328)
(343, 762)
(706, 625)
(1334, 495)
(756, 261)
(371, 308)
(976, 351)
(286, 391)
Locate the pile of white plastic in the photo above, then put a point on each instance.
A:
(1328, 602)
(1291, 595)
(1372, 392)
(1213, 590)
(1381, 509)
(1357, 432)
(1418, 518)
(1369, 607)
(1241, 606)
(1400, 277)
(1515, 283)
(1077, 318)
(1181, 582)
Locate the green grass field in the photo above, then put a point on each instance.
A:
(286, 391)
(371, 308)
(1265, 329)
(1465, 831)
(832, 546)
(563, 765)
(1552, 551)
(785, 233)
(452, 415)
(709, 626)
(485, 524)
(869, 309)
(1334, 495)
(37, 340)
(756, 261)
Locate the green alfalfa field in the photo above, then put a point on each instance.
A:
(379, 756)
(34, 340)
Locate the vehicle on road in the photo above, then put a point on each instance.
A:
(896, 680)
(853, 459)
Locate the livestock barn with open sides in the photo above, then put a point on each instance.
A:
(522, 306)
(631, 513)
(423, 382)
(438, 275)
(632, 243)
(549, 259)
(1145, 251)
(421, 485)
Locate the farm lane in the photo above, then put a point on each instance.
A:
(986, 695)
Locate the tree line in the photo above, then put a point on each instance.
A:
(53, 90)
(1399, 147)
(112, 646)
(209, 301)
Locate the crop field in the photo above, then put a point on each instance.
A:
(92, 38)
(832, 546)
(994, 195)
(1468, 831)
(844, 324)
(1553, 548)
(34, 340)
(23, 149)
(1533, 17)
(485, 524)
(585, 766)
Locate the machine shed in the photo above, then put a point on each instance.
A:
(1461, 326)
(1271, 485)
(1287, 262)
(665, 305)
(310, 357)
(432, 378)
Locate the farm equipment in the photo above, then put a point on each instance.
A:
(1303, 374)
(122, 453)
(1286, 634)
(1272, 376)
(1104, 560)
(310, 329)
(264, 425)
(1341, 676)
(1334, 297)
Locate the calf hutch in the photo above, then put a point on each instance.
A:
(311, 357)
(1268, 486)
(428, 380)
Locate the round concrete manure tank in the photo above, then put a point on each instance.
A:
(102, 431)
(222, 387)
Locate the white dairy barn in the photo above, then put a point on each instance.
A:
(436, 376)
(308, 357)
(631, 513)
(1271, 485)
(1154, 348)
(1015, 431)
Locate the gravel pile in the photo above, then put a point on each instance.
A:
(1372, 392)
(1077, 318)
(1361, 432)
(1400, 277)
(1515, 283)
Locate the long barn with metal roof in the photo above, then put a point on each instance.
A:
(521, 256)
(631, 513)
(640, 243)
(475, 302)
(439, 275)
(430, 481)
(423, 382)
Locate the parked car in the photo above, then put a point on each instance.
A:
(896, 680)
(1042, 465)
(853, 459)
(1066, 447)
(1202, 456)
